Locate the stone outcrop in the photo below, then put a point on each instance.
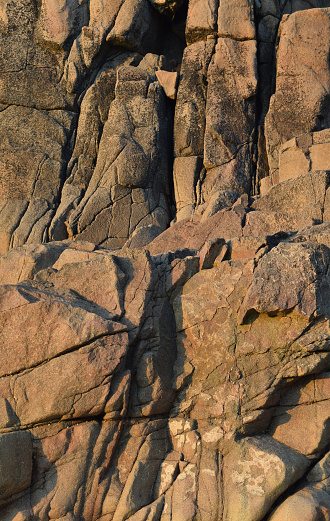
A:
(300, 103)
(164, 260)
(164, 377)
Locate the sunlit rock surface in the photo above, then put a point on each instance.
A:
(164, 260)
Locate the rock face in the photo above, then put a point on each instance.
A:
(164, 260)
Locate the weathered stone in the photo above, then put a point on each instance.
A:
(229, 12)
(300, 103)
(269, 223)
(95, 375)
(139, 485)
(168, 81)
(301, 154)
(319, 476)
(201, 20)
(293, 160)
(32, 167)
(300, 291)
(30, 71)
(67, 322)
(181, 270)
(186, 172)
(23, 263)
(219, 201)
(93, 115)
(137, 26)
(139, 385)
(246, 247)
(268, 16)
(267, 182)
(308, 413)
(216, 321)
(256, 472)
(212, 249)
(232, 77)
(121, 186)
(86, 47)
(59, 21)
(318, 234)
(81, 388)
(189, 121)
(193, 233)
(142, 236)
(304, 195)
(309, 503)
(212, 358)
(232, 72)
(103, 285)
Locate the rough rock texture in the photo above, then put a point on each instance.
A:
(300, 103)
(160, 377)
(164, 260)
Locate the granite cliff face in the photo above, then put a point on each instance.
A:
(164, 260)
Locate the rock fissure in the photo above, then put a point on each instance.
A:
(156, 370)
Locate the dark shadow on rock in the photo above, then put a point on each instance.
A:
(24, 462)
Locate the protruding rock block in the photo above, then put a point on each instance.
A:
(304, 408)
(269, 223)
(309, 503)
(186, 171)
(201, 20)
(300, 292)
(230, 11)
(129, 185)
(256, 472)
(168, 81)
(192, 233)
(60, 20)
(230, 114)
(232, 77)
(304, 195)
(301, 101)
(32, 166)
(138, 26)
(303, 154)
(189, 121)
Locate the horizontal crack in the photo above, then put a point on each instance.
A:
(65, 352)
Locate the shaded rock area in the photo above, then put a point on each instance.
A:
(164, 260)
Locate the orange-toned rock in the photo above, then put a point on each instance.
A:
(193, 233)
(201, 20)
(302, 80)
(189, 120)
(289, 277)
(304, 408)
(256, 471)
(308, 502)
(66, 323)
(188, 382)
(269, 222)
(303, 195)
(168, 81)
(232, 77)
(114, 411)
